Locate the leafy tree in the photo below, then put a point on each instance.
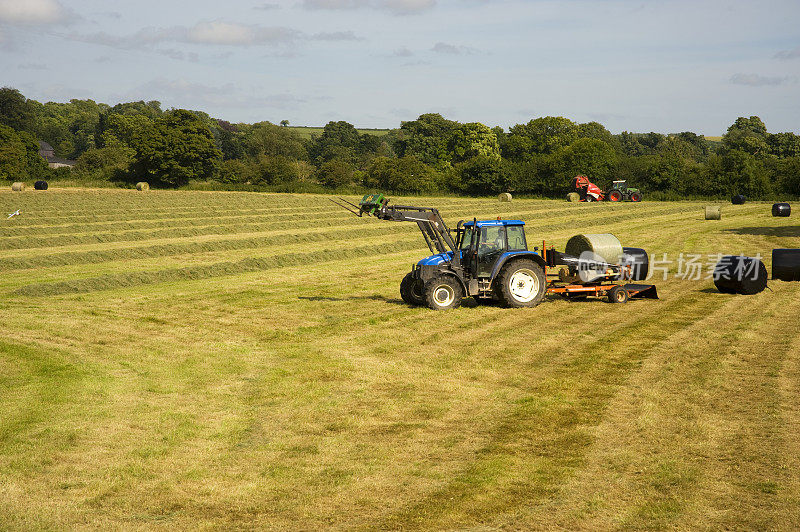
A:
(275, 170)
(426, 138)
(335, 173)
(784, 144)
(590, 157)
(15, 110)
(177, 148)
(472, 140)
(541, 135)
(402, 174)
(19, 156)
(786, 173)
(738, 172)
(748, 135)
(109, 163)
(483, 175)
(267, 139)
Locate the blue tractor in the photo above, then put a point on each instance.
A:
(484, 259)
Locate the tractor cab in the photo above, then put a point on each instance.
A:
(483, 243)
(622, 186)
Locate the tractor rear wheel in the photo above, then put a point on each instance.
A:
(411, 290)
(521, 284)
(615, 195)
(443, 292)
(636, 196)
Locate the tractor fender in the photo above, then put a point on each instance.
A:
(505, 258)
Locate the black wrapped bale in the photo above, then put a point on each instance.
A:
(735, 274)
(638, 261)
(40, 185)
(738, 199)
(782, 210)
(786, 264)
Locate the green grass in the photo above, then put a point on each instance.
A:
(186, 359)
(306, 131)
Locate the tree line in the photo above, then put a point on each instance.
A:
(138, 141)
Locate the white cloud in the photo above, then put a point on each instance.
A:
(755, 80)
(334, 4)
(453, 49)
(407, 7)
(336, 36)
(402, 52)
(210, 33)
(33, 12)
(235, 34)
(784, 55)
(397, 7)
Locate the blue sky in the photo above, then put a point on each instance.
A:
(666, 66)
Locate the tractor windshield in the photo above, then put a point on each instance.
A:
(467, 238)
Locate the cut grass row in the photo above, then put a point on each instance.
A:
(264, 224)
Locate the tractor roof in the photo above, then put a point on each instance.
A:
(492, 223)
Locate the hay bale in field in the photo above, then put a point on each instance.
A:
(605, 245)
(573, 197)
(782, 210)
(713, 212)
(740, 275)
(504, 196)
(598, 247)
(40, 185)
(738, 199)
(18, 187)
(786, 264)
(142, 186)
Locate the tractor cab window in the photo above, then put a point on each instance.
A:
(466, 239)
(516, 238)
(492, 240)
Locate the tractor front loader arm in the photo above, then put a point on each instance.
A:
(430, 222)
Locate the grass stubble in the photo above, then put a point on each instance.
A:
(196, 359)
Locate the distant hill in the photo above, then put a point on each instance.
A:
(306, 131)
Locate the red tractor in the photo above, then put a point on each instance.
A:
(591, 192)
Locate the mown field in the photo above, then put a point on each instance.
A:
(182, 360)
(306, 132)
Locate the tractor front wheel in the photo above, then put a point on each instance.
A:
(522, 284)
(443, 292)
(411, 290)
(636, 196)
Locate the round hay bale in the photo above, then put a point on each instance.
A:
(638, 261)
(713, 212)
(783, 210)
(605, 246)
(786, 264)
(18, 187)
(40, 185)
(504, 196)
(738, 199)
(573, 197)
(142, 186)
(735, 274)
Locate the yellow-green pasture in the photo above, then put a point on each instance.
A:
(241, 360)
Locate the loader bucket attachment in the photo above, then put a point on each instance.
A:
(642, 291)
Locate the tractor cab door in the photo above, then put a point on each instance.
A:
(492, 244)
